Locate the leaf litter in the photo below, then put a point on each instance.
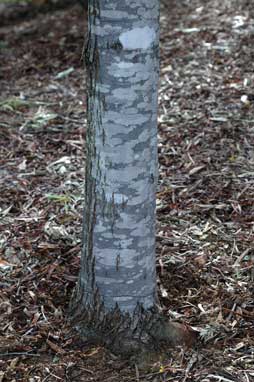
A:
(205, 199)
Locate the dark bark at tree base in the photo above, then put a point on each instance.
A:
(130, 336)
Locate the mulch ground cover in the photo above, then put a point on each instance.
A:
(205, 200)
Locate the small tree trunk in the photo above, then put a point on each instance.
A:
(115, 299)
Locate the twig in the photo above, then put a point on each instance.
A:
(19, 354)
(220, 378)
(137, 372)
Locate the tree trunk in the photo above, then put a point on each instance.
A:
(115, 300)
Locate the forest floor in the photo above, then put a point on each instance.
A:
(205, 196)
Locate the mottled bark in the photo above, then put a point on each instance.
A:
(115, 300)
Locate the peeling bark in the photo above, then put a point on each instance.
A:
(129, 334)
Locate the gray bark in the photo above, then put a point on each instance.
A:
(121, 149)
(116, 294)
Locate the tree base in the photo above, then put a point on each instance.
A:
(130, 336)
